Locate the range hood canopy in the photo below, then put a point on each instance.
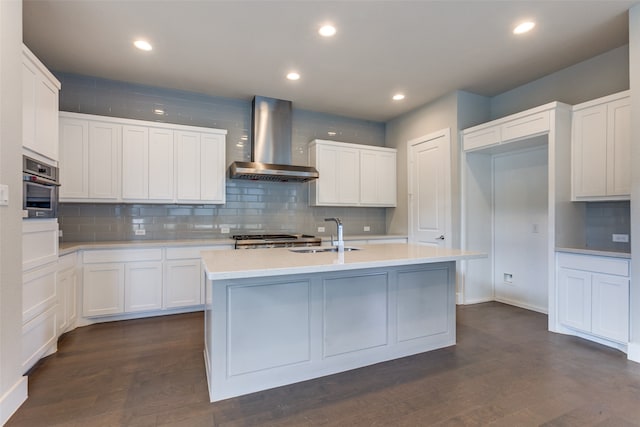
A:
(271, 146)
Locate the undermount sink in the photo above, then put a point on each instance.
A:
(315, 250)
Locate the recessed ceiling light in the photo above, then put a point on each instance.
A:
(327, 31)
(398, 97)
(524, 27)
(293, 76)
(158, 111)
(331, 133)
(143, 45)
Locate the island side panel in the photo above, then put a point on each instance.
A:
(272, 331)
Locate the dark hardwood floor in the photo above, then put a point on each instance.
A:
(506, 370)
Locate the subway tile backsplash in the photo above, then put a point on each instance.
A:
(604, 219)
(251, 206)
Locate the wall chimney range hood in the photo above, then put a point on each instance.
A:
(271, 146)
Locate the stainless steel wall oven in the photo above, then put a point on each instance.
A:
(39, 189)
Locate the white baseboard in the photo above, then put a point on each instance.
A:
(476, 301)
(633, 351)
(522, 305)
(12, 399)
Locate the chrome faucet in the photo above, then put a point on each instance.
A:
(340, 243)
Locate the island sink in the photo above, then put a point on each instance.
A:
(320, 250)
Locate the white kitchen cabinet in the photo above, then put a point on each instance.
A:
(121, 281)
(106, 159)
(161, 164)
(593, 295)
(103, 289)
(601, 149)
(40, 296)
(147, 164)
(200, 166)
(90, 160)
(105, 142)
(183, 284)
(376, 168)
(352, 175)
(39, 107)
(67, 286)
(514, 128)
(143, 286)
(135, 162)
(74, 159)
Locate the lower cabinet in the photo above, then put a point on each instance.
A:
(67, 286)
(121, 281)
(593, 295)
(183, 285)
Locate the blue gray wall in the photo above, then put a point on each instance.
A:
(251, 206)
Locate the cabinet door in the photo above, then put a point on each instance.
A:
(574, 299)
(188, 164)
(619, 148)
(339, 182)
(103, 289)
(610, 316)
(104, 160)
(143, 286)
(62, 285)
(135, 162)
(74, 159)
(589, 151)
(183, 283)
(212, 167)
(377, 178)
(39, 111)
(161, 164)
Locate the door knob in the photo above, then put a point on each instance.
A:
(441, 237)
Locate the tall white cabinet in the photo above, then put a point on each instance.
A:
(105, 159)
(601, 149)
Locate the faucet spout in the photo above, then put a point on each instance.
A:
(340, 243)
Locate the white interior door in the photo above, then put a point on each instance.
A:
(430, 189)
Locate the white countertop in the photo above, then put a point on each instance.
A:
(586, 251)
(235, 264)
(70, 247)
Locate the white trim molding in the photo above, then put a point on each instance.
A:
(12, 399)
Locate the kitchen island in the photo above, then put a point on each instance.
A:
(276, 316)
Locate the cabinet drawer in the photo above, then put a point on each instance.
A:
(128, 255)
(39, 243)
(38, 291)
(525, 127)
(481, 138)
(598, 264)
(38, 336)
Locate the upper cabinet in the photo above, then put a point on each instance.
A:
(520, 126)
(104, 159)
(352, 175)
(601, 149)
(40, 107)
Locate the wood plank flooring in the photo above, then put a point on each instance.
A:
(506, 370)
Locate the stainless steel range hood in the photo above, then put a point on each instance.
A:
(271, 146)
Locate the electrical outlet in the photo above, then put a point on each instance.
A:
(141, 232)
(224, 230)
(4, 195)
(508, 278)
(622, 238)
(59, 233)
(367, 228)
(320, 229)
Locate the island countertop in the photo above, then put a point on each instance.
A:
(242, 264)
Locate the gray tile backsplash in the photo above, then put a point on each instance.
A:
(604, 219)
(251, 206)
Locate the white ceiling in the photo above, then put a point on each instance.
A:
(238, 49)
